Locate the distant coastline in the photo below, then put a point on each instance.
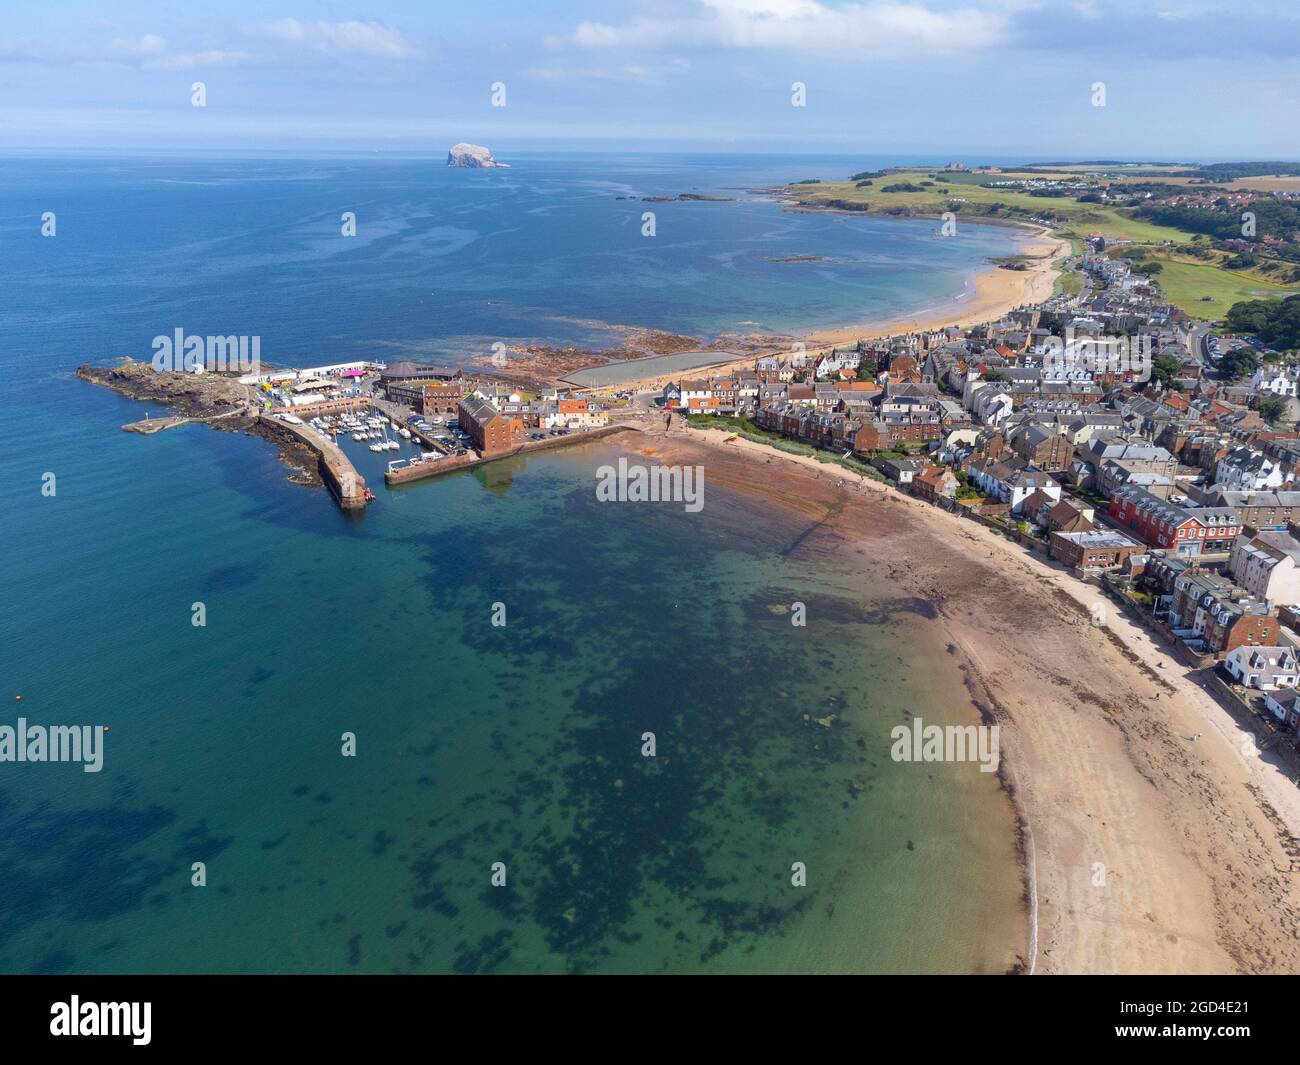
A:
(991, 293)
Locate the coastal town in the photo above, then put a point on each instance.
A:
(1103, 429)
(710, 487)
(1106, 432)
(1083, 487)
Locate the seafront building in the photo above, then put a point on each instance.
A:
(1177, 489)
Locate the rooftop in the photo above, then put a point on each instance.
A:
(1096, 538)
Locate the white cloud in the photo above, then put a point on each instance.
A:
(149, 44)
(212, 57)
(148, 52)
(361, 38)
(883, 28)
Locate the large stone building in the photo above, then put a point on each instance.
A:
(490, 431)
(1214, 616)
(427, 399)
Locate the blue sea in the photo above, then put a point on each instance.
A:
(478, 746)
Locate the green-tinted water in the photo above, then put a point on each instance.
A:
(478, 744)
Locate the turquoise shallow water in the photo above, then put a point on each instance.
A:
(476, 744)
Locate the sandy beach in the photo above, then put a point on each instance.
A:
(993, 292)
(1144, 851)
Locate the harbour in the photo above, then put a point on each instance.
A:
(418, 471)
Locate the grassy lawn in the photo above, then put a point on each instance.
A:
(1067, 284)
(1115, 223)
(1186, 283)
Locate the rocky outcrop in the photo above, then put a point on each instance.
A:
(474, 156)
(200, 395)
(220, 402)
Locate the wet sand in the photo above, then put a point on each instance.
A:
(1143, 852)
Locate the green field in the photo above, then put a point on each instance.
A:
(962, 193)
(1067, 283)
(1185, 283)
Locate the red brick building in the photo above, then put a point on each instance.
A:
(1185, 530)
(1211, 611)
(1097, 549)
(490, 431)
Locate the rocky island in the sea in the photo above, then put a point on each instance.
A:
(474, 156)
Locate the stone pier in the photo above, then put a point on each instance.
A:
(336, 469)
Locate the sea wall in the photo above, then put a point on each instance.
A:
(336, 469)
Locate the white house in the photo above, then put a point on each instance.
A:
(1272, 381)
(1024, 483)
(1283, 706)
(1011, 485)
(572, 413)
(1248, 470)
(988, 404)
(698, 389)
(1265, 668)
(833, 363)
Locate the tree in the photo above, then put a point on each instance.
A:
(1164, 368)
(1240, 362)
(1273, 410)
(1276, 322)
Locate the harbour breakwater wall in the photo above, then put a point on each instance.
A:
(336, 469)
(421, 471)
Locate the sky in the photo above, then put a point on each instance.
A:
(1184, 81)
